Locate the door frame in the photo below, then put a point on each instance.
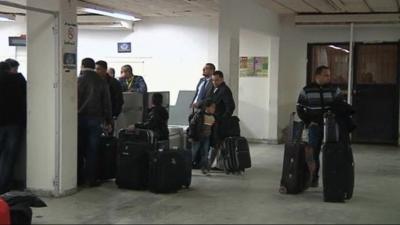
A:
(354, 73)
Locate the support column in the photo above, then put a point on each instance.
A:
(272, 115)
(52, 97)
(228, 46)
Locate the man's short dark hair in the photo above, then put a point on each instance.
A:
(12, 63)
(4, 67)
(219, 73)
(129, 68)
(208, 103)
(88, 63)
(113, 70)
(102, 63)
(320, 69)
(212, 66)
(157, 99)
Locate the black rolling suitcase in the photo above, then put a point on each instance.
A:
(133, 158)
(166, 171)
(338, 162)
(187, 167)
(236, 154)
(107, 157)
(296, 176)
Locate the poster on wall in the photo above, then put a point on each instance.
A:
(253, 66)
(69, 60)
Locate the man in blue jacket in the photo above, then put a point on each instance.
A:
(131, 82)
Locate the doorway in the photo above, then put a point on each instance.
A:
(376, 93)
(375, 88)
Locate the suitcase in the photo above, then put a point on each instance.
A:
(338, 165)
(107, 157)
(236, 154)
(21, 214)
(295, 173)
(350, 176)
(166, 171)
(4, 212)
(296, 176)
(187, 170)
(133, 158)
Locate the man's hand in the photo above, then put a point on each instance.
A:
(195, 105)
(131, 128)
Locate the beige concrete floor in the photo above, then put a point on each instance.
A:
(252, 198)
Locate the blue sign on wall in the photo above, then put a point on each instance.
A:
(124, 47)
(17, 41)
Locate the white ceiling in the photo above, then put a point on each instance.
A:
(210, 7)
(162, 8)
(331, 6)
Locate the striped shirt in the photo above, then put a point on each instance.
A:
(315, 100)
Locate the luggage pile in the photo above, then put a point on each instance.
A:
(15, 207)
(138, 161)
(337, 161)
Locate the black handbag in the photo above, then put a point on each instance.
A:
(229, 127)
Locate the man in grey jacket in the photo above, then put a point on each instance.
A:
(94, 110)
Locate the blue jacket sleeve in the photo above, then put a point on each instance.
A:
(140, 85)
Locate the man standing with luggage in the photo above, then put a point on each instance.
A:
(222, 96)
(94, 109)
(316, 99)
(204, 87)
(12, 119)
(117, 99)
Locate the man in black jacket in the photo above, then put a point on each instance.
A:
(157, 119)
(12, 119)
(222, 96)
(94, 110)
(117, 99)
(315, 100)
(204, 87)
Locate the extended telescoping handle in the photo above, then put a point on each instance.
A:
(330, 125)
(291, 128)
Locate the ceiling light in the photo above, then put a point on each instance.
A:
(7, 17)
(338, 48)
(111, 14)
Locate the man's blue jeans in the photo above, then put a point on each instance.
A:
(315, 136)
(203, 146)
(89, 131)
(10, 139)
